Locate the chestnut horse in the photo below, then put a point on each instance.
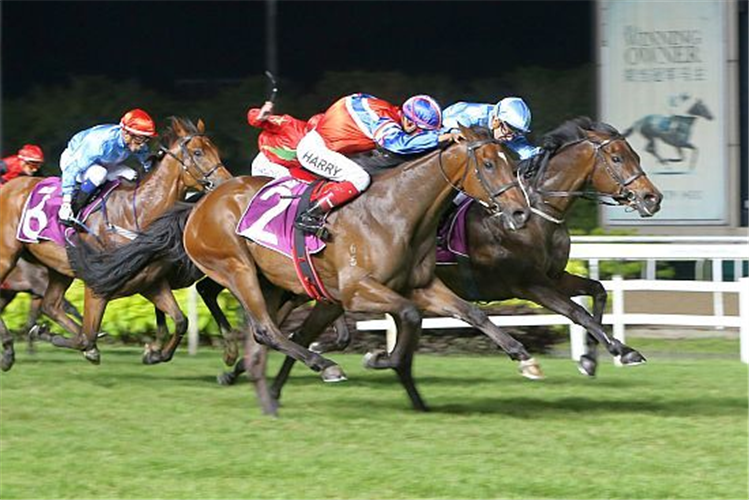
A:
(530, 264)
(381, 259)
(189, 161)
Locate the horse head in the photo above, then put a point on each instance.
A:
(488, 178)
(699, 109)
(617, 171)
(187, 144)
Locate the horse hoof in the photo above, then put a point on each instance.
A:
(151, 357)
(93, 355)
(632, 358)
(333, 373)
(375, 360)
(226, 378)
(530, 369)
(587, 366)
(6, 363)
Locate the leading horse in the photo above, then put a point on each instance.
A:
(381, 259)
(188, 161)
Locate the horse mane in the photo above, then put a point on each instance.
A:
(170, 136)
(573, 130)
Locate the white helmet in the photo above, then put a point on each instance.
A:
(514, 112)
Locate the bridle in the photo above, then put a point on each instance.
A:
(203, 176)
(494, 207)
(623, 192)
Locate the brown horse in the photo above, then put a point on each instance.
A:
(189, 161)
(530, 264)
(32, 279)
(381, 259)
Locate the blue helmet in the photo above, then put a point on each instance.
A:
(424, 112)
(514, 112)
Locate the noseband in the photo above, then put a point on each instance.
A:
(204, 177)
(495, 208)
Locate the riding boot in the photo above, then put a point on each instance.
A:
(79, 201)
(312, 220)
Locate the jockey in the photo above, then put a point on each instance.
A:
(98, 153)
(277, 143)
(358, 123)
(28, 160)
(509, 120)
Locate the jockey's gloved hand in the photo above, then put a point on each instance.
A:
(130, 175)
(66, 211)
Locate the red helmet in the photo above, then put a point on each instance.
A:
(136, 121)
(31, 153)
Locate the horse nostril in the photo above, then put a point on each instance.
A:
(520, 217)
(652, 200)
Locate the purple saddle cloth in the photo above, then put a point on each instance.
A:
(39, 220)
(269, 218)
(451, 235)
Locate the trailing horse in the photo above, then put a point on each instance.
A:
(189, 161)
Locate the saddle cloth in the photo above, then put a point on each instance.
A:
(269, 218)
(39, 220)
(452, 240)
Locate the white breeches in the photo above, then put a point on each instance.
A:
(315, 156)
(261, 165)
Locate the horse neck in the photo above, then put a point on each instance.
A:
(567, 171)
(421, 187)
(160, 190)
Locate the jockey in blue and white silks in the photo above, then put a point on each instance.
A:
(98, 153)
(509, 120)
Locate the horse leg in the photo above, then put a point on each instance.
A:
(163, 298)
(341, 342)
(53, 303)
(573, 286)
(372, 296)
(35, 310)
(318, 320)
(650, 148)
(85, 339)
(9, 355)
(439, 299)
(546, 295)
(10, 249)
(209, 290)
(693, 156)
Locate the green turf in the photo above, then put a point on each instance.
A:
(674, 428)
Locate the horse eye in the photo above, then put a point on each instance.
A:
(198, 152)
(616, 159)
(488, 165)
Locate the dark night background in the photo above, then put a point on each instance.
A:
(160, 42)
(67, 65)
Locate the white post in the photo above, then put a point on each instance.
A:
(192, 321)
(650, 269)
(577, 335)
(391, 333)
(718, 296)
(744, 315)
(617, 311)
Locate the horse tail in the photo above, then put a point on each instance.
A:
(106, 272)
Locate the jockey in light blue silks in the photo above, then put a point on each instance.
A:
(509, 120)
(98, 153)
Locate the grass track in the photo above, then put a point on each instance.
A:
(670, 429)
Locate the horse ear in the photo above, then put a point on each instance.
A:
(178, 128)
(468, 133)
(201, 126)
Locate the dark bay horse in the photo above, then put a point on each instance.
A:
(381, 259)
(530, 264)
(189, 161)
(674, 130)
(32, 279)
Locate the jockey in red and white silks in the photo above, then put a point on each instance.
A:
(357, 123)
(278, 141)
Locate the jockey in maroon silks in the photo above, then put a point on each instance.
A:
(358, 123)
(26, 162)
(278, 141)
